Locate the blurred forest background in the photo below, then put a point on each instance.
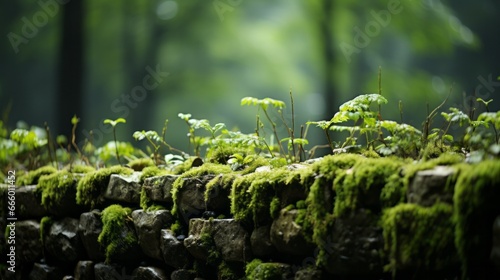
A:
(147, 61)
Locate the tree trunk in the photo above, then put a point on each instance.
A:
(329, 90)
(70, 84)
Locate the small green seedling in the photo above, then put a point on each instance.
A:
(113, 124)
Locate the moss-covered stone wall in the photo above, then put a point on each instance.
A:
(344, 216)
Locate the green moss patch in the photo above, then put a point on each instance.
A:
(55, 187)
(254, 196)
(476, 205)
(114, 237)
(31, 178)
(141, 163)
(256, 269)
(361, 186)
(419, 238)
(90, 189)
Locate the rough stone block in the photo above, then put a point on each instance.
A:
(355, 245)
(89, 228)
(28, 245)
(62, 242)
(124, 188)
(104, 271)
(45, 272)
(183, 274)
(149, 273)
(29, 203)
(287, 236)
(431, 186)
(173, 250)
(158, 188)
(261, 242)
(228, 236)
(148, 226)
(84, 270)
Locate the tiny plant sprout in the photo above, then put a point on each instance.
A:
(113, 124)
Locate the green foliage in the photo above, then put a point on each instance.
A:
(115, 237)
(90, 189)
(113, 124)
(419, 238)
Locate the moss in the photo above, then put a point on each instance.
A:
(151, 171)
(227, 272)
(45, 224)
(251, 266)
(207, 242)
(141, 163)
(80, 168)
(90, 189)
(476, 197)
(223, 180)
(222, 153)
(366, 179)
(419, 238)
(252, 194)
(264, 271)
(274, 208)
(185, 166)
(205, 169)
(176, 227)
(31, 178)
(55, 186)
(114, 219)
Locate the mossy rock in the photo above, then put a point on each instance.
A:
(58, 193)
(118, 235)
(91, 188)
(419, 238)
(476, 205)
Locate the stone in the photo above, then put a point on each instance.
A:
(308, 274)
(149, 273)
(104, 271)
(89, 228)
(29, 203)
(431, 186)
(191, 198)
(158, 188)
(124, 188)
(260, 241)
(62, 242)
(84, 270)
(183, 274)
(287, 236)
(45, 272)
(28, 245)
(68, 277)
(147, 226)
(495, 250)
(229, 238)
(355, 245)
(173, 251)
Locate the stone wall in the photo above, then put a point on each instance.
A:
(332, 218)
